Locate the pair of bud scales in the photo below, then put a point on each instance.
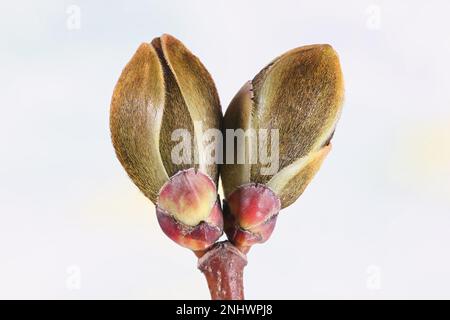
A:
(165, 87)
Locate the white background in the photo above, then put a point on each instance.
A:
(374, 223)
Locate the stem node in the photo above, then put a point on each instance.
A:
(223, 266)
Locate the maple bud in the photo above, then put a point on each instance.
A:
(162, 89)
(300, 95)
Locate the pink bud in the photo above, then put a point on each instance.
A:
(188, 210)
(250, 214)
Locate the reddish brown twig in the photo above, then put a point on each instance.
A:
(223, 266)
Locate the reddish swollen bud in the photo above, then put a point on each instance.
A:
(188, 210)
(250, 214)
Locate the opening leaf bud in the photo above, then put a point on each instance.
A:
(163, 95)
(300, 95)
(188, 210)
